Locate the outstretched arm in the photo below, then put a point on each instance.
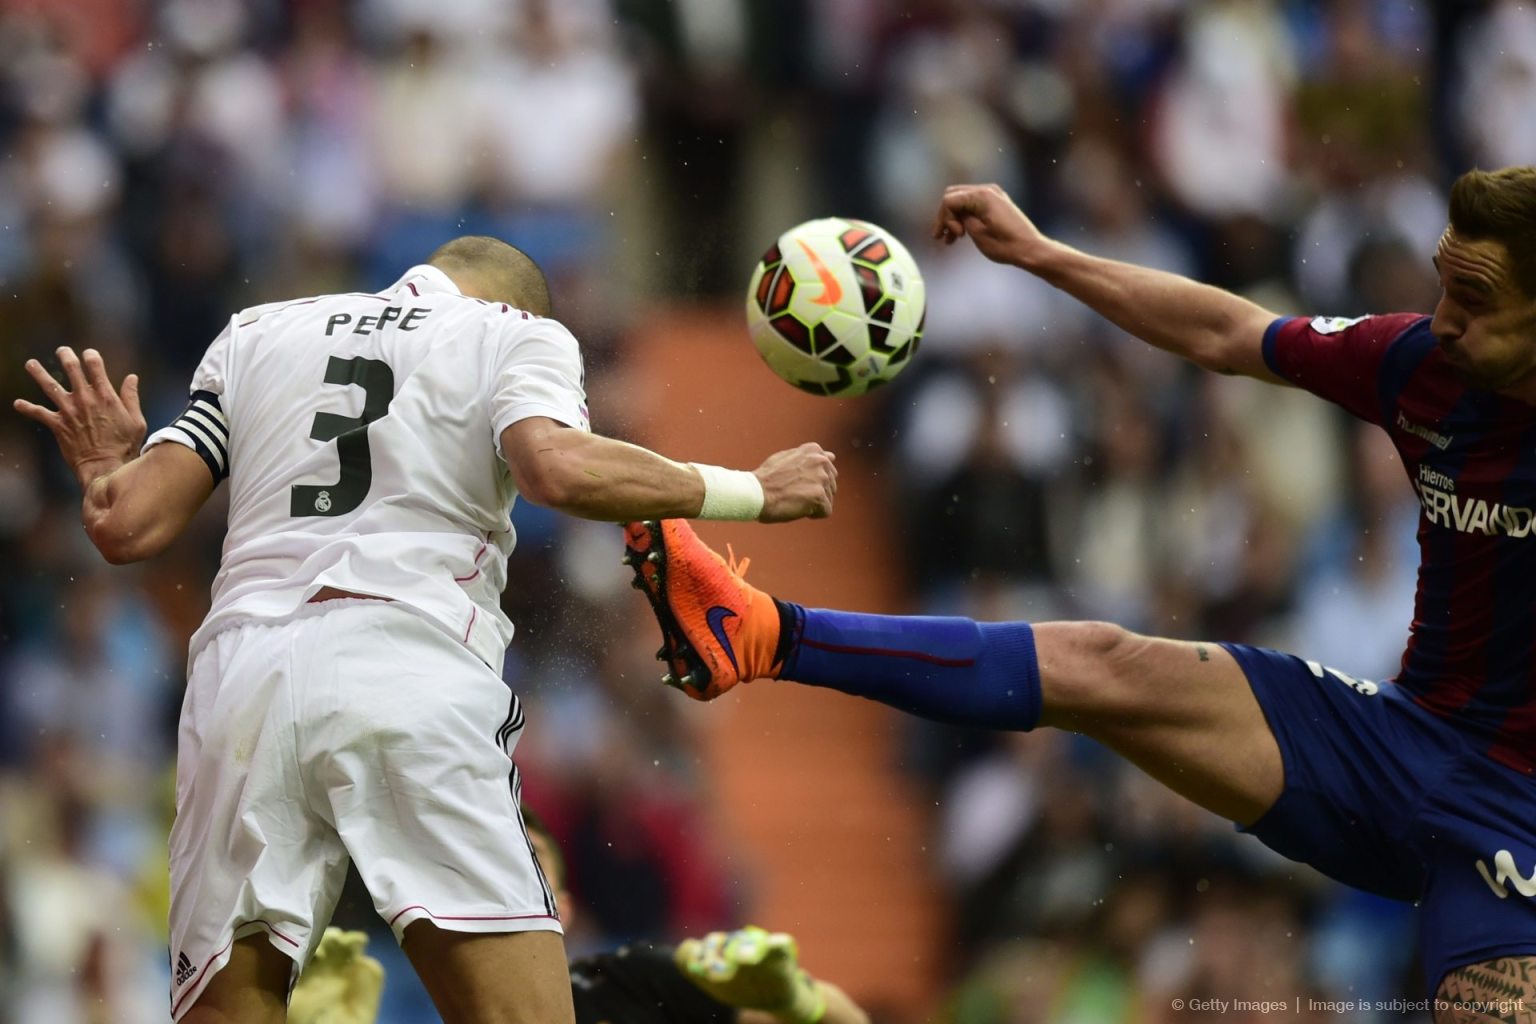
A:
(1206, 325)
(597, 477)
(133, 506)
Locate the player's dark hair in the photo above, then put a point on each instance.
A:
(1500, 206)
(490, 269)
(555, 871)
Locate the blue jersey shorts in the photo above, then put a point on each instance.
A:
(1385, 796)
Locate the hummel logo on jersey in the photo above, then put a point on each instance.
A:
(1419, 430)
(184, 969)
(716, 617)
(1504, 870)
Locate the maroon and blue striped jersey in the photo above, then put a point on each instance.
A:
(1471, 456)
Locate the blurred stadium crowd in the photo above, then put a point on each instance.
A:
(165, 162)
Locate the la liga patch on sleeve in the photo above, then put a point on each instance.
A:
(1334, 324)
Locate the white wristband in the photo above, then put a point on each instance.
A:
(729, 493)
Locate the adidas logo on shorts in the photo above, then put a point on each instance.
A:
(184, 969)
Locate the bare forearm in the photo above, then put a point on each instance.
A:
(132, 505)
(599, 478)
(133, 509)
(596, 477)
(101, 508)
(1214, 328)
(122, 520)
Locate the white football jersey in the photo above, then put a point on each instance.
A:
(361, 435)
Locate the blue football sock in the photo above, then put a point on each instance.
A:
(947, 669)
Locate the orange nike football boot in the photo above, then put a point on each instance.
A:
(717, 630)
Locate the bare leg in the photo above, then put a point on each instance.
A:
(504, 978)
(251, 989)
(1502, 990)
(1183, 712)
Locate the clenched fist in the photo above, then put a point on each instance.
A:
(797, 483)
(998, 227)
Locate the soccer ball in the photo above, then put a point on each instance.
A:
(835, 307)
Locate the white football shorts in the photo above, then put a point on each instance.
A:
(355, 730)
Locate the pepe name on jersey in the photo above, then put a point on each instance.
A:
(410, 320)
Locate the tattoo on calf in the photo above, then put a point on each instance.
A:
(1502, 990)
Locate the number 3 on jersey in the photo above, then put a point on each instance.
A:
(351, 436)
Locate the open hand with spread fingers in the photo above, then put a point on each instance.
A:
(98, 428)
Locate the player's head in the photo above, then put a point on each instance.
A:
(551, 861)
(488, 268)
(1486, 318)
